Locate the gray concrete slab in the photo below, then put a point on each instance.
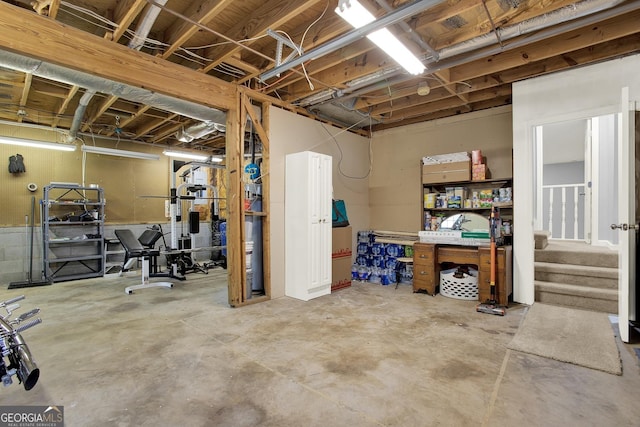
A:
(368, 355)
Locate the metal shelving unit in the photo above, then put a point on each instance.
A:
(72, 232)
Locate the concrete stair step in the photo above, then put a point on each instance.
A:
(584, 297)
(584, 275)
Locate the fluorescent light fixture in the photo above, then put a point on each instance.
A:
(186, 155)
(358, 16)
(36, 144)
(120, 153)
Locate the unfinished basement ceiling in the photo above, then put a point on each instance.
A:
(473, 50)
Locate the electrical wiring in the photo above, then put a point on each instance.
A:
(185, 52)
(86, 11)
(224, 43)
(299, 50)
(104, 27)
(304, 35)
(153, 44)
(148, 42)
(232, 69)
(333, 137)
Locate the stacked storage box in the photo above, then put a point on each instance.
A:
(341, 258)
(479, 170)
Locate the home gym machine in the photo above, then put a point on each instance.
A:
(180, 254)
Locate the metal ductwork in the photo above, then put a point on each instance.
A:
(139, 37)
(199, 130)
(146, 23)
(560, 16)
(79, 114)
(102, 85)
(557, 22)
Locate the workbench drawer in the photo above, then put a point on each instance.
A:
(424, 280)
(423, 253)
(484, 255)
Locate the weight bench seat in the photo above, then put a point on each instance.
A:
(134, 249)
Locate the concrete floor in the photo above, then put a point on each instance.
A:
(368, 355)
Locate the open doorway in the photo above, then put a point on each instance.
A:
(576, 179)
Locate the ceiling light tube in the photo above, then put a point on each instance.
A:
(36, 144)
(403, 12)
(186, 155)
(358, 16)
(120, 153)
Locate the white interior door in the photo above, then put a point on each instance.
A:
(626, 217)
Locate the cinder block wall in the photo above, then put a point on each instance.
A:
(14, 248)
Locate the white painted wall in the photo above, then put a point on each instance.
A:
(291, 133)
(579, 93)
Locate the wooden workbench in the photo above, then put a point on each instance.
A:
(428, 260)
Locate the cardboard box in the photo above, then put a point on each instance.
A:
(446, 172)
(340, 273)
(479, 172)
(341, 242)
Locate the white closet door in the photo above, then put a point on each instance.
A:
(308, 225)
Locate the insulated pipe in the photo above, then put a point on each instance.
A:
(560, 16)
(580, 14)
(79, 114)
(198, 131)
(141, 33)
(146, 23)
(99, 84)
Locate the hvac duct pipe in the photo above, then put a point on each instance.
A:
(198, 130)
(99, 84)
(581, 14)
(564, 15)
(144, 26)
(140, 35)
(79, 114)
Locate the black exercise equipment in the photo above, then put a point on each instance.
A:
(134, 249)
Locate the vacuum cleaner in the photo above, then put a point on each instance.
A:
(491, 306)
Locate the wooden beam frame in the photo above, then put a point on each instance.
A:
(28, 34)
(239, 288)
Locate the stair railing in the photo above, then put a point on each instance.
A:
(561, 224)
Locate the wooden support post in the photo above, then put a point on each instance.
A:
(235, 202)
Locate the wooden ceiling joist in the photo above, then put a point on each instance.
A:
(265, 17)
(53, 42)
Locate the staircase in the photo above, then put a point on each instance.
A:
(574, 274)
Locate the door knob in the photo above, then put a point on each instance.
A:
(625, 227)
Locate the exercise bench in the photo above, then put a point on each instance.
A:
(134, 249)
